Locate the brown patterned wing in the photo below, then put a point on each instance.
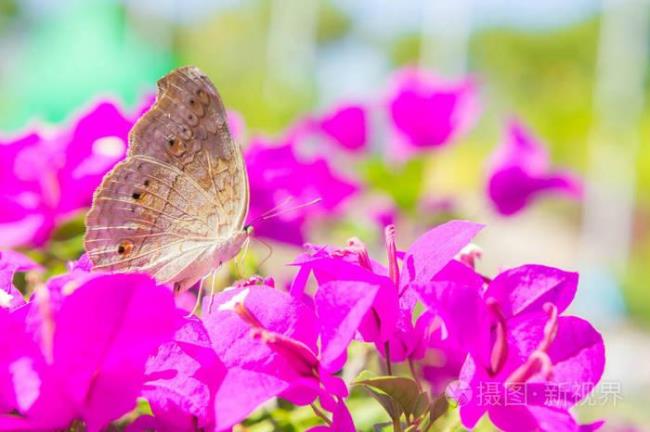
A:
(182, 188)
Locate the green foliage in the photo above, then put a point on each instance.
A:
(236, 59)
(546, 78)
(402, 183)
(332, 23)
(637, 280)
(408, 406)
(398, 395)
(283, 417)
(405, 50)
(56, 72)
(8, 9)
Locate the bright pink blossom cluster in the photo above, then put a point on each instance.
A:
(48, 175)
(87, 345)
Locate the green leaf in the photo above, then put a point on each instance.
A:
(391, 406)
(365, 375)
(402, 390)
(438, 408)
(421, 405)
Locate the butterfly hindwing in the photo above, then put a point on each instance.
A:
(140, 203)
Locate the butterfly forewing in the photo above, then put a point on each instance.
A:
(181, 190)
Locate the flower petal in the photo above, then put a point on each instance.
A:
(10, 263)
(578, 357)
(379, 323)
(104, 333)
(462, 310)
(427, 112)
(255, 372)
(183, 378)
(279, 178)
(433, 250)
(519, 173)
(527, 288)
(241, 391)
(341, 306)
(341, 421)
(519, 418)
(347, 126)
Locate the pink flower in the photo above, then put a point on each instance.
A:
(427, 112)
(347, 126)
(473, 317)
(552, 363)
(82, 358)
(389, 321)
(520, 172)
(251, 364)
(280, 180)
(10, 263)
(452, 324)
(268, 341)
(182, 380)
(45, 178)
(515, 341)
(341, 421)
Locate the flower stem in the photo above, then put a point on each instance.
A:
(414, 374)
(320, 414)
(397, 426)
(389, 366)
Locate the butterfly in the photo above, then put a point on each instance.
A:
(175, 208)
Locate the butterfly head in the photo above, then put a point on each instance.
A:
(248, 229)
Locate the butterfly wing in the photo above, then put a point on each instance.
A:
(182, 188)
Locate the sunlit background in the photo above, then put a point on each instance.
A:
(574, 71)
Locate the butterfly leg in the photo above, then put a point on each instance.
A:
(212, 288)
(199, 294)
(196, 305)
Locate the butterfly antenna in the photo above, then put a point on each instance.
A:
(283, 208)
(279, 212)
(284, 202)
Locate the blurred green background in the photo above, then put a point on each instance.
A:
(574, 71)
